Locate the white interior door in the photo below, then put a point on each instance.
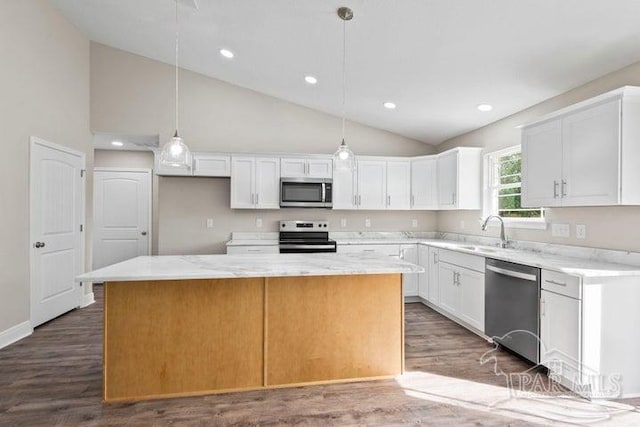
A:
(57, 214)
(121, 215)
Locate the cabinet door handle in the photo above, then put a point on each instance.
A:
(435, 257)
(359, 200)
(253, 199)
(257, 198)
(564, 188)
(555, 189)
(412, 200)
(542, 307)
(553, 282)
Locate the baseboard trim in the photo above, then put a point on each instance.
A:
(15, 333)
(87, 299)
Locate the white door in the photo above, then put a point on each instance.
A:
(434, 287)
(57, 242)
(472, 297)
(320, 168)
(399, 185)
(424, 185)
(242, 183)
(591, 151)
(542, 165)
(449, 290)
(121, 215)
(447, 180)
(409, 253)
(344, 189)
(372, 184)
(267, 183)
(560, 334)
(423, 278)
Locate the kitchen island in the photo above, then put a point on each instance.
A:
(190, 325)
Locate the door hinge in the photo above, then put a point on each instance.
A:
(81, 228)
(82, 171)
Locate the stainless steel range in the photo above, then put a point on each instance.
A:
(305, 237)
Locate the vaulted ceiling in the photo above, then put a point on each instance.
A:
(435, 59)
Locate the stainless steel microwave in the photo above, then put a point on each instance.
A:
(306, 192)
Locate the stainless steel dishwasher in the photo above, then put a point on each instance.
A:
(512, 301)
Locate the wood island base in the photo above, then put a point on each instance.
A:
(171, 338)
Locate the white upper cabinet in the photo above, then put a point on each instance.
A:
(205, 164)
(424, 184)
(344, 191)
(372, 184)
(399, 185)
(255, 183)
(459, 178)
(542, 144)
(298, 167)
(586, 154)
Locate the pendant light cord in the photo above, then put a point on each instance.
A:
(344, 74)
(177, 51)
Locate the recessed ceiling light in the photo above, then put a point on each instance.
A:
(117, 143)
(485, 107)
(226, 53)
(389, 105)
(310, 79)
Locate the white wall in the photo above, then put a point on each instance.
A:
(44, 92)
(607, 227)
(132, 94)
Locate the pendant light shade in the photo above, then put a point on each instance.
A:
(343, 158)
(175, 153)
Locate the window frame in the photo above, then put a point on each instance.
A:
(489, 206)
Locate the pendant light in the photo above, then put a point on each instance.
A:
(175, 152)
(343, 158)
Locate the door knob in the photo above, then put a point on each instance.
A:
(144, 233)
(39, 245)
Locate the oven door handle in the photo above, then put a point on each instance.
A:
(510, 273)
(295, 246)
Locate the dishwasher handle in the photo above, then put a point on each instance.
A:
(510, 273)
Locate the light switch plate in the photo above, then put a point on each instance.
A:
(367, 222)
(258, 222)
(209, 222)
(560, 230)
(414, 223)
(343, 222)
(581, 231)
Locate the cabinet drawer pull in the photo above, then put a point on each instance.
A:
(553, 282)
(369, 250)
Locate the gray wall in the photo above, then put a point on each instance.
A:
(44, 87)
(132, 94)
(607, 227)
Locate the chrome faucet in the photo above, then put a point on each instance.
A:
(503, 238)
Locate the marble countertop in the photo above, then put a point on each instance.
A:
(236, 266)
(590, 264)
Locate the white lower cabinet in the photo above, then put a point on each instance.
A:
(434, 288)
(423, 278)
(560, 336)
(253, 250)
(409, 253)
(461, 288)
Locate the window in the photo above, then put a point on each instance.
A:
(503, 188)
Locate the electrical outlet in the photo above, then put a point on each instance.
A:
(209, 222)
(343, 222)
(258, 222)
(367, 222)
(414, 223)
(560, 230)
(581, 231)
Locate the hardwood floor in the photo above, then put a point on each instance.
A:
(54, 378)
